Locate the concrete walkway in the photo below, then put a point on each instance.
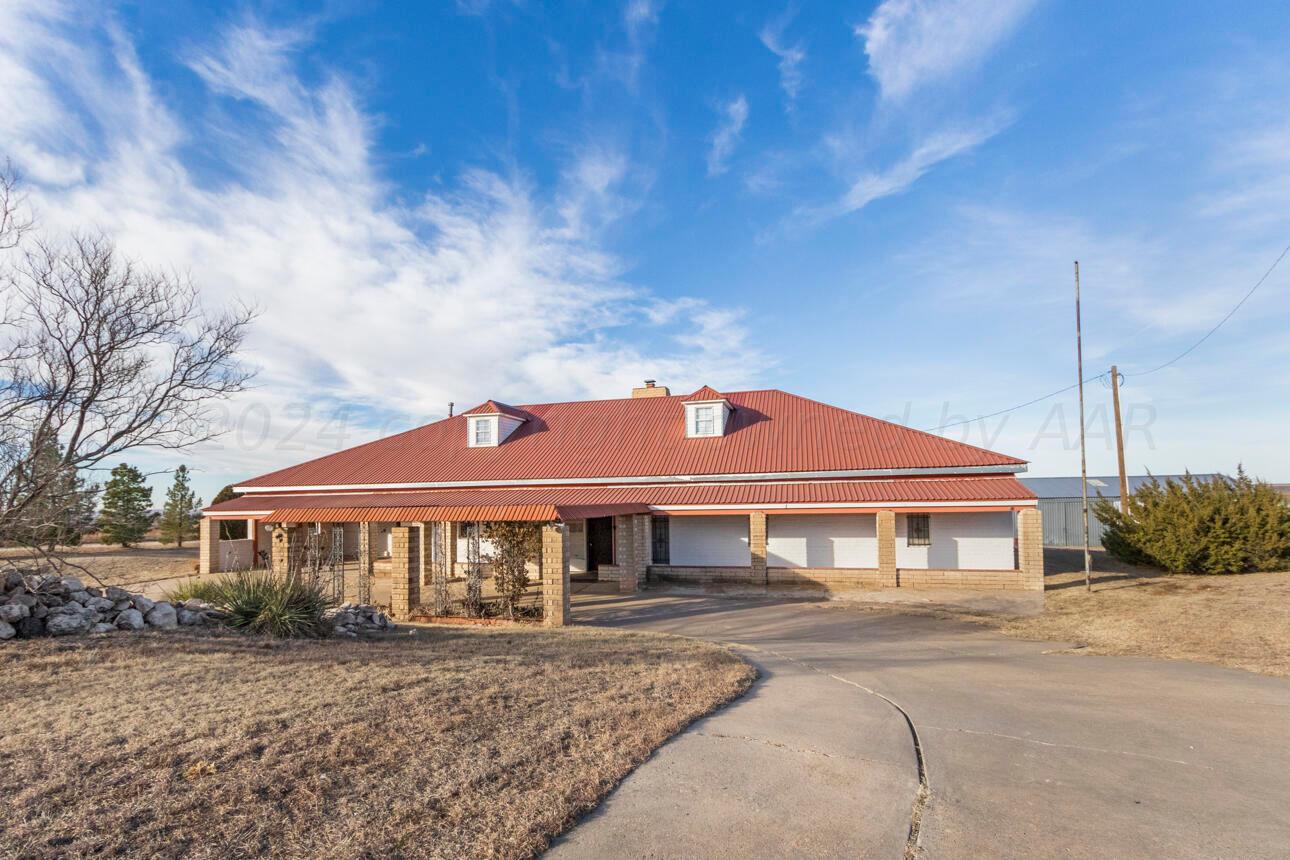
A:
(1027, 754)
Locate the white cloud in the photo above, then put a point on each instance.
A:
(914, 42)
(724, 140)
(791, 56)
(492, 288)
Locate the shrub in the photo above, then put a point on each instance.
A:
(262, 602)
(514, 546)
(1200, 526)
(202, 589)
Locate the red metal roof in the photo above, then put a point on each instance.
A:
(769, 431)
(704, 394)
(897, 492)
(492, 407)
(449, 514)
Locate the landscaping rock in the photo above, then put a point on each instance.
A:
(116, 594)
(350, 620)
(100, 604)
(13, 612)
(142, 603)
(103, 627)
(30, 627)
(162, 615)
(188, 617)
(130, 619)
(66, 624)
(13, 579)
(71, 583)
(23, 598)
(7, 630)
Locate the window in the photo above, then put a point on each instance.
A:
(660, 543)
(705, 422)
(483, 432)
(918, 529)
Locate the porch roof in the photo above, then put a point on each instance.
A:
(450, 513)
(579, 502)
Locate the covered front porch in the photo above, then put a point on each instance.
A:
(427, 561)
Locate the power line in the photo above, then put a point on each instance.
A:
(1243, 300)
(1173, 360)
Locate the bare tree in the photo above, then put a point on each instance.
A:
(98, 355)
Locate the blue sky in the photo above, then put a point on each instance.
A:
(875, 205)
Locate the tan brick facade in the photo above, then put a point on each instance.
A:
(886, 528)
(757, 544)
(405, 575)
(625, 554)
(555, 575)
(280, 552)
(1030, 547)
(208, 546)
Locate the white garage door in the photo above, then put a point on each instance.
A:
(709, 541)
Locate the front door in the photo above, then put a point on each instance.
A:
(600, 542)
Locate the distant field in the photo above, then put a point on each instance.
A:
(150, 567)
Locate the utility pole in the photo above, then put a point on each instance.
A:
(1083, 456)
(1119, 439)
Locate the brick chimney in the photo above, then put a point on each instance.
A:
(651, 390)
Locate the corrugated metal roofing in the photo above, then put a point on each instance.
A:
(492, 407)
(769, 431)
(704, 394)
(1000, 488)
(449, 514)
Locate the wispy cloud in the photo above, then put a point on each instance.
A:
(492, 286)
(911, 43)
(791, 56)
(724, 140)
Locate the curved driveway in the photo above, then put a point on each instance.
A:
(1027, 753)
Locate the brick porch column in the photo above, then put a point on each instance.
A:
(757, 546)
(405, 577)
(887, 548)
(208, 546)
(555, 575)
(1030, 548)
(641, 547)
(280, 552)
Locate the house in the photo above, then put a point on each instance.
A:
(756, 488)
(1062, 505)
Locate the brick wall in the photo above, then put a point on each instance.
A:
(886, 526)
(208, 546)
(1030, 548)
(966, 580)
(757, 544)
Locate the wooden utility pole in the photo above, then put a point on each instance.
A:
(1119, 439)
(1083, 456)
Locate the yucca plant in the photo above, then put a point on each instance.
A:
(202, 589)
(262, 602)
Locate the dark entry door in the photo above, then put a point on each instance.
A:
(600, 542)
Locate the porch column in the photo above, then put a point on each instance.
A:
(1030, 548)
(627, 555)
(208, 546)
(641, 546)
(405, 578)
(887, 549)
(280, 552)
(555, 575)
(757, 546)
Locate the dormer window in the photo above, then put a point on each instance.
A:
(705, 421)
(489, 424)
(706, 412)
(483, 432)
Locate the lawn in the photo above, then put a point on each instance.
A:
(445, 743)
(150, 567)
(1241, 621)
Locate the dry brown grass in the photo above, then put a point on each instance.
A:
(450, 743)
(150, 567)
(1241, 621)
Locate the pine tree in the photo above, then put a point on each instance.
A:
(225, 495)
(63, 508)
(178, 516)
(126, 503)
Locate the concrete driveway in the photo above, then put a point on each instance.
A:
(1024, 753)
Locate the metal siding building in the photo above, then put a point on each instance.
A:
(1062, 506)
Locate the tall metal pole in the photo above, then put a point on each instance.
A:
(1083, 456)
(1119, 439)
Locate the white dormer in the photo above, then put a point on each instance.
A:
(706, 412)
(489, 424)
